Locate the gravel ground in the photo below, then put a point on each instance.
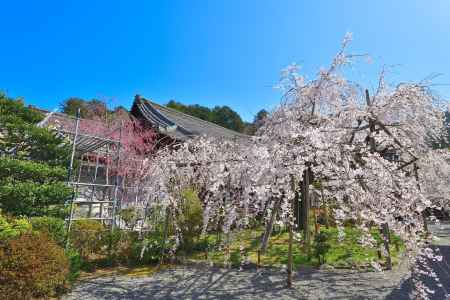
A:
(201, 282)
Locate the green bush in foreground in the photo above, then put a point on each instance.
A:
(53, 227)
(11, 228)
(87, 236)
(75, 264)
(31, 266)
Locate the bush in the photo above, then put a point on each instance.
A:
(149, 250)
(75, 263)
(11, 228)
(124, 247)
(30, 198)
(120, 246)
(31, 265)
(129, 216)
(53, 227)
(191, 220)
(87, 237)
(321, 246)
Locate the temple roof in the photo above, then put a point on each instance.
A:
(91, 136)
(179, 125)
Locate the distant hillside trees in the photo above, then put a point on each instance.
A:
(221, 115)
(89, 109)
(258, 121)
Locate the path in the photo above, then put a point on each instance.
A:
(442, 268)
(197, 282)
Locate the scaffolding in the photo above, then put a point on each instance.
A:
(95, 188)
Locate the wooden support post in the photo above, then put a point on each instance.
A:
(316, 223)
(289, 267)
(386, 236)
(424, 216)
(166, 231)
(291, 224)
(269, 226)
(297, 210)
(258, 262)
(325, 207)
(306, 204)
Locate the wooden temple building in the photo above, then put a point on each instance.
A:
(100, 193)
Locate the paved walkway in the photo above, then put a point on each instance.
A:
(196, 282)
(442, 268)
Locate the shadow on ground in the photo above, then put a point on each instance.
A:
(201, 282)
(213, 283)
(442, 270)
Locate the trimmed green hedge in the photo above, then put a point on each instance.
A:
(28, 170)
(30, 198)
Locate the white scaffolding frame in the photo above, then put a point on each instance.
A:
(104, 151)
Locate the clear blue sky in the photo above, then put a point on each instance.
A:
(208, 52)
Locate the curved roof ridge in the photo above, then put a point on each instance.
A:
(174, 111)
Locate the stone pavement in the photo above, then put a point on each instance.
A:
(201, 282)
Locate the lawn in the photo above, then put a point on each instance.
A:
(347, 253)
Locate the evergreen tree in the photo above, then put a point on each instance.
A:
(33, 163)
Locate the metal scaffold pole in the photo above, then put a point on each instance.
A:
(72, 157)
(116, 183)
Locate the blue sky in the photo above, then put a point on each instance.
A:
(209, 52)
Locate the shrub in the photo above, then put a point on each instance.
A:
(321, 246)
(86, 237)
(53, 227)
(31, 198)
(75, 263)
(11, 228)
(31, 265)
(119, 244)
(149, 249)
(191, 220)
(129, 216)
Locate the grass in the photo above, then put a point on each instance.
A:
(141, 271)
(348, 253)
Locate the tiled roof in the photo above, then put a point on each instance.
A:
(179, 125)
(64, 125)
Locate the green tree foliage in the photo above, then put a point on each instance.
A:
(228, 118)
(33, 163)
(22, 138)
(70, 106)
(258, 121)
(93, 109)
(220, 115)
(194, 110)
